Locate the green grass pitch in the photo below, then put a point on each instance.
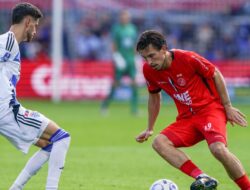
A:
(105, 156)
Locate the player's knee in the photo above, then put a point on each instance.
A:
(159, 142)
(45, 143)
(219, 150)
(42, 143)
(155, 144)
(48, 147)
(59, 135)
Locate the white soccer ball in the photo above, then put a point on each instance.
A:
(163, 184)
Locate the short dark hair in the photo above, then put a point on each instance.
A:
(25, 9)
(151, 37)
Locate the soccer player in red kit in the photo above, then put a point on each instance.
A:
(198, 90)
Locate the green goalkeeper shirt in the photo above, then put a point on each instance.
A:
(124, 37)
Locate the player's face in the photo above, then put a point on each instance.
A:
(31, 29)
(154, 57)
(125, 17)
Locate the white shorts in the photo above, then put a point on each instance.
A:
(24, 129)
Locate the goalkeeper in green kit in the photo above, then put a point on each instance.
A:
(124, 35)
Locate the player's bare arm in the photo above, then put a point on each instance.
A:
(234, 115)
(154, 103)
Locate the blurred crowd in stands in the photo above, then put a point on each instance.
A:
(86, 33)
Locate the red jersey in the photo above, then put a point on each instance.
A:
(189, 81)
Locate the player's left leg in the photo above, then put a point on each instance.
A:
(212, 125)
(231, 163)
(33, 165)
(107, 101)
(60, 141)
(134, 98)
(54, 143)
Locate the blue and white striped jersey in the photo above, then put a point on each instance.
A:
(9, 71)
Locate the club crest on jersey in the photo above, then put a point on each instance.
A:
(181, 81)
(26, 114)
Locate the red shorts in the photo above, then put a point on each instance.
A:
(209, 125)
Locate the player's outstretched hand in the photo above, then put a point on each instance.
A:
(234, 116)
(144, 136)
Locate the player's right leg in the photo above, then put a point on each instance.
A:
(106, 102)
(179, 134)
(165, 148)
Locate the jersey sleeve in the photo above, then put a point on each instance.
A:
(6, 45)
(151, 85)
(202, 66)
(206, 69)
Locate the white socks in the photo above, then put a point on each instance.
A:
(56, 162)
(30, 169)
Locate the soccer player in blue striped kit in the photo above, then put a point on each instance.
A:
(23, 127)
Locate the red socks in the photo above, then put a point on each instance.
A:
(243, 182)
(190, 169)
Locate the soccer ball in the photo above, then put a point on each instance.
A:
(164, 184)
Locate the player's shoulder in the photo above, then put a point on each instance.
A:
(7, 41)
(8, 47)
(3, 39)
(181, 52)
(184, 55)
